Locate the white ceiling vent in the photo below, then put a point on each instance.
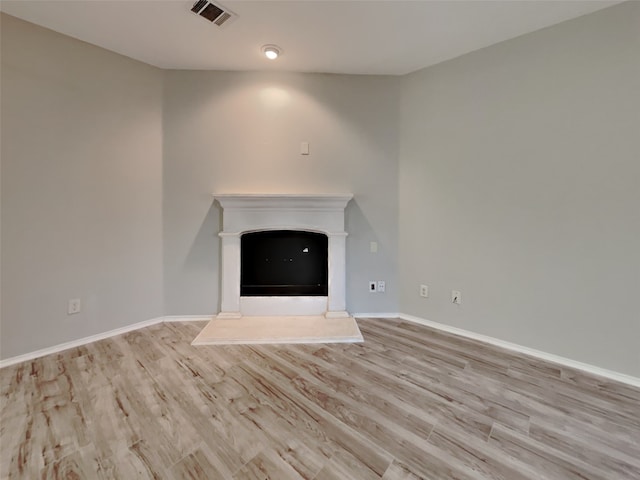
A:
(212, 12)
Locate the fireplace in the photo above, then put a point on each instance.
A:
(278, 228)
(283, 263)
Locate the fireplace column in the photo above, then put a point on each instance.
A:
(337, 275)
(230, 278)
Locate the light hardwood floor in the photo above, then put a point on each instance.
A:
(408, 403)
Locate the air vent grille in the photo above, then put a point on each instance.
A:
(214, 13)
(222, 18)
(198, 6)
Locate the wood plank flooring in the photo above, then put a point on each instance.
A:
(409, 403)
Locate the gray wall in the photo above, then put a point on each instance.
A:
(81, 188)
(241, 133)
(519, 186)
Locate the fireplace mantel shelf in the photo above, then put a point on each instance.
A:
(287, 200)
(252, 212)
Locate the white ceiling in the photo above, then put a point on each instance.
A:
(359, 37)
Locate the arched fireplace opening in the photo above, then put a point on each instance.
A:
(243, 213)
(283, 263)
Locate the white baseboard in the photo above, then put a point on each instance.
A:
(101, 336)
(549, 357)
(77, 343)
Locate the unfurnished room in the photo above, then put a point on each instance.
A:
(320, 240)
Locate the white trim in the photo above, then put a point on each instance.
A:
(376, 315)
(101, 336)
(77, 343)
(283, 306)
(187, 318)
(549, 357)
(277, 201)
(242, 213)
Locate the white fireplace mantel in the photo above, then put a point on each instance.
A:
(244, 213)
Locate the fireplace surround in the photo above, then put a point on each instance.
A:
(248, 213)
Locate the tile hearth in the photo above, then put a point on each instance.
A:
(279, 330)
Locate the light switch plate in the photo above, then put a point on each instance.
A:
(456, 297)
(74, 306)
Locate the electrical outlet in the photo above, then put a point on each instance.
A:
(74, 306)
(381, 286)
(373, 287)
(424, 290)
(456, 297)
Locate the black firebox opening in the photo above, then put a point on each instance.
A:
(283, 263)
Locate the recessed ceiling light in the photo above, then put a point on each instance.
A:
(271, 51)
